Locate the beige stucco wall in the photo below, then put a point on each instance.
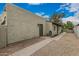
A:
(3, 36)
(60, 28)
(3, 31)
(50, 27)
(53, 28)
(76, 31)
(22, 24)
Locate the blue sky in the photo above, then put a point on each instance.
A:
(1, 7)
(47, 9)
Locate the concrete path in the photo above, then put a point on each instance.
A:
(13, 47)
(68, 45)
(35, 47)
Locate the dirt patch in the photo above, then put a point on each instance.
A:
(68, 45)
(11, 48)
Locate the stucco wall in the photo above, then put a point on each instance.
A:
(53, 28)
(50, 27)
(3, 36)
(22, 24)
(60, 28)
(76, 31)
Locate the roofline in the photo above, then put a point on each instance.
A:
(54, 23)
(25, 10)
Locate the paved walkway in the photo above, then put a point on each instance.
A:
(68, 45)
(35, 47)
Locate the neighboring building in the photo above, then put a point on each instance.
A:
(57, 28)
(22, 24)
(76, 30)
(53, 29)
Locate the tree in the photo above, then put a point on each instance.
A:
(57, 17)
(68, 25)
(65, 26)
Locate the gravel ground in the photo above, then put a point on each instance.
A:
(68, 45)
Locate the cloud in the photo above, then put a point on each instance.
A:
(34, 3)
(71, 7)
(46, 16)
(73, 19)
(76, 14)
(74, 7)
(42, 14)
(63, 6)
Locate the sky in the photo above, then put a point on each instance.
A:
(1, 7)
(46, 10)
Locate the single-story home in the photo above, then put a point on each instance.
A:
(19, 24)
(53, 28)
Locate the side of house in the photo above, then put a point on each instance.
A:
(3, 30)
(60, 29)
(53, 29)
(76, 30)
(49, 28)
(23, 24)
(57, 28)
(18, 24)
